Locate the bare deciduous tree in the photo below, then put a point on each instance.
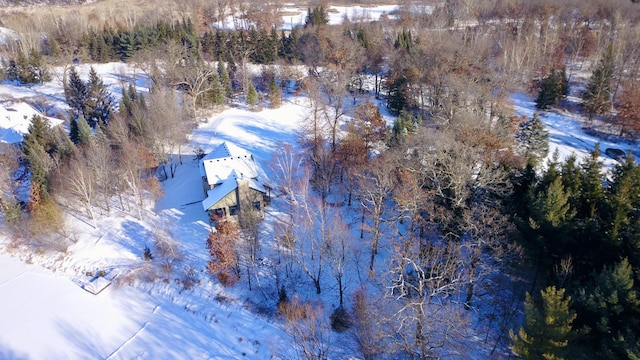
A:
(424, 315)
(375, 184)
(170, 126)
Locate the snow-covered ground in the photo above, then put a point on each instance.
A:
(568, 133)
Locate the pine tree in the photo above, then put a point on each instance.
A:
(34, 148)
(316, 17)
(571, 179)
(404, 40)
(397, 98)
(597, 96)
(553, 88)
(547, 328)
(37, 68)
(551, 208)
(225, 80)
(126, 107)
(613, 306)
(252, 96)
(591, 191)
(623, 208)
(76, 93)
(535, 139)
(99, 103)
(80, 132)
(275, 95)
(404, 125)
(549, 92)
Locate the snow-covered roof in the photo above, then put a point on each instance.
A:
(15, 120)
(224, 167)
(227, 160)
(216, 194)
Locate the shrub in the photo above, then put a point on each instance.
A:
(340, 320)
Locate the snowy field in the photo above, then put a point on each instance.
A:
(47, 315)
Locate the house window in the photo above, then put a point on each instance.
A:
(257, 205)
(233, 210)
(217, 214)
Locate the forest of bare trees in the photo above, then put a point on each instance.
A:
(419, 231)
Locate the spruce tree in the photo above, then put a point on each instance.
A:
(549, 92)
(316, 17)
(551, 208)
(547, 327)
(252, 96)
(34, 148)
(613, 312)
(99, 103)
(275, 95)
(592, 190)
(571, 175)
(225, 80)
(535, 139)
(76, 93)
(37, 68)
(554, 87)
(80, 132)
(623, 208)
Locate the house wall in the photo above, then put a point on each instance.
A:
(244, 195)
(248, 196)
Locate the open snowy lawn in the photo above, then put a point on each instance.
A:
(47, 316)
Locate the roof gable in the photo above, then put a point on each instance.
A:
(218, 193)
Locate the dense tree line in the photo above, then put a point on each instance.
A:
(581, 230)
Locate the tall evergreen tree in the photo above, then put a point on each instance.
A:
(547, 327)
(592, 190)
(612, 311)
(252, 95)
(34, 146)
(553, 87)
(225, 80)
(99, 104)
(551, 208)
(76, 93)
(397, 98)
(80, 132)
(623, 209)
(597, 96)
(535, 139)
(275, 95)
(316, 17)
(571, 179)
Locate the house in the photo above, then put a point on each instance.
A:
(15, 120)
(233, 182)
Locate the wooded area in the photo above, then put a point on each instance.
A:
(455, 197)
